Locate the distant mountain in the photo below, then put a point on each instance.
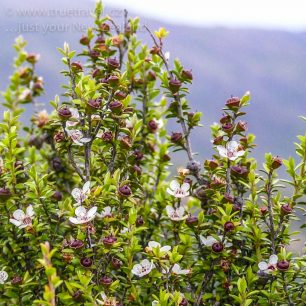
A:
(270, 64)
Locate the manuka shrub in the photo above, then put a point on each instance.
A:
(89, 212)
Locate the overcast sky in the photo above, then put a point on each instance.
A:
(279, 14)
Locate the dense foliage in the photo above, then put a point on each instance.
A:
(87, 216)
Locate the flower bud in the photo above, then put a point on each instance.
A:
(176, 137)
(107, 136)
(225, 119)
(155, 50)
(59, 136)
(84, 40)
(76, 244)
(116, 106)
(229, 226)
(106, 280)
(77, 296)
(283, 265)
(19, 165)
(153, 125)
(125, 191)
(136, 169)
(217, 247)
(286, 209)
(120, 95)
(113, 80)
(166, 157)
(276, 162)
(227, 127)
(263, 210)
(57, 196)
(94, 104)
(64, 112)
(228, 198)
(218, 140)
(241, 126)
(104, 27)
(126, 142)
(76, 67)
(116, 263)
(192, 221)
(211, 164)
(233, 103)
(240, 171)
(97, 73)
(100, 40)
(184, 302)
(86, 262)
(32, 58)
(109, 241)
(138, 155)
(5, 193)
(151, 76)
(113, 63)
(139, 221)
(57, 164)
(17, 280)
(187, 75)
(174, 85)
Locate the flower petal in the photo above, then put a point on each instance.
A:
(74, 220)
(263, 266)
(174, 184)
(170, 191)
(86, 187)
(273, 259)
(185, 187)
(18, 214)
(15, 222)
(76, 193)
(232, 146)
(211, 240)
(30, 211)
(222, 151)
(79, 211)
(154, 244)
(169, 210)
(165, 248)
(92, 212)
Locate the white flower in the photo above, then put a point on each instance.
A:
(22, 219)
(106, 212)
(155, 303)
(107, 301)
(177, 190)
(77, 137)
(231, 151)
(154, 245)
(167, 55)
(177, 270)
(210, 240)
(80, 195)
(176, 214)
(75, 115)
(83, 216)
(267, 267)
(124, 230)
(3, 277)
(143, 268)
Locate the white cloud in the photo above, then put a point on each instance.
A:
(283, 14)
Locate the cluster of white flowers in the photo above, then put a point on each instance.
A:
(231, 150)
